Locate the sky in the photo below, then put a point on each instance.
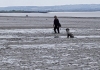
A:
(5, 3)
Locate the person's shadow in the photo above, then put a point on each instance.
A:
(56, 35)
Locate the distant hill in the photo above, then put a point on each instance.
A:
(61, 8)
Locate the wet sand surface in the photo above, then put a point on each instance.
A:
(29, 43)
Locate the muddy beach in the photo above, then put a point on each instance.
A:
(29, 43)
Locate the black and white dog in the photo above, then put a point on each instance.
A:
(69, 34)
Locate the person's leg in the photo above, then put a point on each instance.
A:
(68, 35)
(58, 29)
(55, 29)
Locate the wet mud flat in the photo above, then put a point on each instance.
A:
(30, 44)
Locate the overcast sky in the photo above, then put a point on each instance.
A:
(4, 3)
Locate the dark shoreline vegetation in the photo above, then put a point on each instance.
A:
(20, 11)
(16, 11)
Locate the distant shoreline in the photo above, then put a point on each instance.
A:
(18, 11)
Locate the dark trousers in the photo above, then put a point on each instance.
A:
(56, 28)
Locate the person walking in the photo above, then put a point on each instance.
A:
(56, 25)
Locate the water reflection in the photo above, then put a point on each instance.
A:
(92, 36)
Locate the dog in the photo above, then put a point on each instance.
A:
(69, 34)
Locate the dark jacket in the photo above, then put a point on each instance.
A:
(56, 23)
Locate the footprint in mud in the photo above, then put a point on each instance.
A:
(36, 39)
(56, 36)
(14, 39)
